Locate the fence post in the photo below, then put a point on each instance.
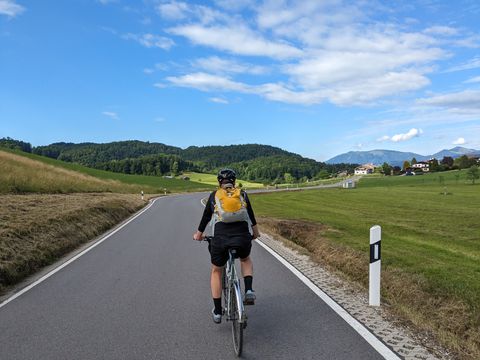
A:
(375, 264)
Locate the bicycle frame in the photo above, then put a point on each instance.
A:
(233, 289)
(233, 302)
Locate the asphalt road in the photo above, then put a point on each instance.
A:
(144, 294)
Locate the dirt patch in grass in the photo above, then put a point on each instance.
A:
(446, 320)
(36, 230)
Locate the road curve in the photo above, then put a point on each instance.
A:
(144, 293)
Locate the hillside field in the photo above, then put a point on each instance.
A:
(430, 244)
(43, 174)
(211, 179)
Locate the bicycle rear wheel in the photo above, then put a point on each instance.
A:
(237, 325)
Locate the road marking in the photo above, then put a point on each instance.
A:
(57, 269)
(379, 346)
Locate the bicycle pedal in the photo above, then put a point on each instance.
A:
(248, 302)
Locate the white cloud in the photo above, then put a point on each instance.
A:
(441, 30)
(459, 141)
(173, 10)
(359, 93)
(160, 119)
(218, 100)
(471, 64)
(208, 82)
(10, 8)
(236, 39)
(111, 115)
(217, 65)
(383, 138)
(105, 2)
(463, 100)
(178, 10)
(472, 80)
(151, 40)
(409, 135)
(316, 51)
(160, 85)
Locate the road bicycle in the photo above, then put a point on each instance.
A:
(234, 310)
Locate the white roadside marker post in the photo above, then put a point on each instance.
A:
(375, 263)
(142, 194)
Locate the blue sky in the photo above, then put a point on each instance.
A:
(318, 78)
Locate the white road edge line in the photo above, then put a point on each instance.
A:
(379, 346)
(57, 269)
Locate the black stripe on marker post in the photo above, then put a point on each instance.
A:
(372, 252)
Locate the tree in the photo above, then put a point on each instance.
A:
(414, 161)
(447, 161)
(433, 165)
(288, 178)
(464, 162)
(10, 143)
(473, 173)
(175, 168)
(323, 174)
(386, 168)
(406, 165)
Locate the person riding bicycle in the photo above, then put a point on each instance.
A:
(231, 229)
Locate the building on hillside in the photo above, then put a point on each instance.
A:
(421, 165)
(476, 158)
(365, 169)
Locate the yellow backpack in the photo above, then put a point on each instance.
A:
(230, 206)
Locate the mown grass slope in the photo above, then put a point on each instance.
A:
(430, 245)
(37, 229)
(41, 172)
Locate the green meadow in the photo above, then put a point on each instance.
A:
(430, 232)
(211, 179)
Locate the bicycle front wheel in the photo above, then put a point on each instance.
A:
(237, 325)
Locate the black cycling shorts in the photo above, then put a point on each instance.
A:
(219, 245)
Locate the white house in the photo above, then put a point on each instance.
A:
(365, 169)
(424, 166)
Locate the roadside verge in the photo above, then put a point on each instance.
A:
(40, 230)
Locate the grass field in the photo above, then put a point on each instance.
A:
(211, 179)
(430, 244)
(123, 182)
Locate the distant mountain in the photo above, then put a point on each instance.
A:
(391, 157)
(376, 157)
(456, 152)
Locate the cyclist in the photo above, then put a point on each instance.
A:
(228, 232)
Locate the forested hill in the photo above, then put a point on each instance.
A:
(252, 161)
(217, 156)
(91, 154)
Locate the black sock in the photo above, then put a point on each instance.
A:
(218, 306)
(248, 283)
